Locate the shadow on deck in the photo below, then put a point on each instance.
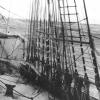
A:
(33, 77)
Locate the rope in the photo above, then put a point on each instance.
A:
(13, 49)
(7, 80)
(95, 37)
(6, 28)
(3, 49)
(77, 57)
(21, 93)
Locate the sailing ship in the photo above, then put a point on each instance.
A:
(60, 55)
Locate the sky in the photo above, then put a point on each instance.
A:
(93, 9)
(21, 8)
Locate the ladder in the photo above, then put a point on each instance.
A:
(80, 52)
